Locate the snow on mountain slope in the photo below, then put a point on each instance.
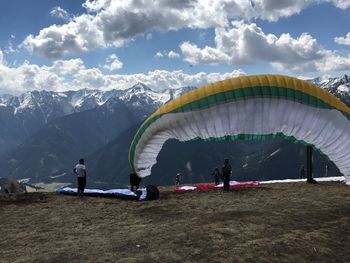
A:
(22, 116)
(340, 86)
(141, 93)
(28, 112)
(75, 101)
(3, 99)
(55, 104)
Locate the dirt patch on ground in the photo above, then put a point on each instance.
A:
(270, 223)
(22, 198)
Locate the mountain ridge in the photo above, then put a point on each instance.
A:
(22, 116)
(105, 117)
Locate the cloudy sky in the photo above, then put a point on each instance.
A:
(64, 44)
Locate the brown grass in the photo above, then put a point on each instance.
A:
(270, 223)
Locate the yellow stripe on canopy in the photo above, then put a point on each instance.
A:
(253, 81)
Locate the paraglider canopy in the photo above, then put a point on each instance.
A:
(249, 108)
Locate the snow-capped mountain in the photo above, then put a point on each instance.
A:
(42, 132)
(55, 104)
(51, 104)
(22, 116)
(4, 98)
(326, 82)
(340, 86)
(140, 93)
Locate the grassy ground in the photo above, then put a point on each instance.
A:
(270, 223)
(44, 187)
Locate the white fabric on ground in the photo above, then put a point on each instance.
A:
(98, 191)
(187, 188)
(319, 179)
(233, 183)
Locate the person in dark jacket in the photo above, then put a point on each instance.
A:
(178, 179)
(134, 181)
(216, 175)
(226, 174)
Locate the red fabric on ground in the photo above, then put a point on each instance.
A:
(205, 187)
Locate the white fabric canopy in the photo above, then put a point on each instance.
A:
(328, 130)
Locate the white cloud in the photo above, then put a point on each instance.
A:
(60, 13)
(95, 5)
(114, 23)
(173, 54)
(66, 67)
(91, 78)
(213, 77)
(207, 55)
(272, 10)
(72, 75)
(342, 4)
(113, 63)
(1, 57)
(9, 48)
(343, 40)
(162, 79)
(56, 41)
(330, 62)
(158, 55)
(248, 44)
(28, 77)
(333, 62)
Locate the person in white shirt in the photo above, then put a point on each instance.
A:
(80, 171)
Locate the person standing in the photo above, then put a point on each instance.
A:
(178, 179)
(80, 171)
(226, 174)
(134, 181)
(216, 174)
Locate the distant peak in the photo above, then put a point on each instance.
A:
(140, 84)
(140, 87)
(345, 78)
